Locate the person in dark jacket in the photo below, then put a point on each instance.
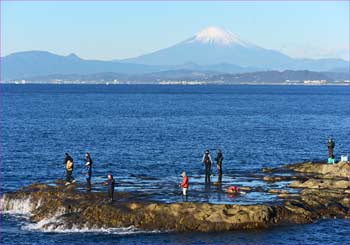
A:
(67, 157)
(111, 184)
(207, 162)
(88, 164)
(331, 145)
(68, 160)
(219, 158)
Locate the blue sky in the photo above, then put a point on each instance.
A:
(116, 30)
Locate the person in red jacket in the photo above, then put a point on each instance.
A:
(233, 190)
(184, 186)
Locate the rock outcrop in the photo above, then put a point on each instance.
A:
(341, 169)
(68, 207)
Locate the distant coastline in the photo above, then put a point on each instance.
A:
(179, 83)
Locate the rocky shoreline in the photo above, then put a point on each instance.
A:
(322, 191)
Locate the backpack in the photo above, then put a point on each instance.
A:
(70, 165)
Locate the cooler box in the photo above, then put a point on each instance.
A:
(344, 158)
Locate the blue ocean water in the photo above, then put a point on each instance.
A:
(147, 134)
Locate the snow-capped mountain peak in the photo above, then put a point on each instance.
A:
(216, 35)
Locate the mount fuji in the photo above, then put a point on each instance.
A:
(214, 45)
(212, 50)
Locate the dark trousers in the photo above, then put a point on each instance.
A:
(88, 183)
(220, 178)
(69, 177)
(219, 165)
(207, 172)
(330, 151)
(111, 194)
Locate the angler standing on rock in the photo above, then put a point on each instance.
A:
(111, 184)
(88, 170)
(69, 169)
(331, 145)
(207, 162)
(184, 186)
(219, 158)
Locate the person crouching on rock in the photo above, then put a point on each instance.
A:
(88, 170)
(233, 190)
(184, 186)
(111, 184)
(69, 169)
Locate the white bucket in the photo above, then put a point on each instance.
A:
(344, 158)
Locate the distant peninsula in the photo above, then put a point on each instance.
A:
(190, 77)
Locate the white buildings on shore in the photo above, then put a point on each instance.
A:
(315, 82)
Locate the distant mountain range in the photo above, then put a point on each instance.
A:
(212, 51)
(41, 63)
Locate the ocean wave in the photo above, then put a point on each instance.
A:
(57, 225)
(56, 222)
(23, 206)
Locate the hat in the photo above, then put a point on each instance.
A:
(183, 174)
(206, 151)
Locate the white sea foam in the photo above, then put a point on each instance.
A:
(57, 225)
(1, 203)
(84, 229)
(17, 206)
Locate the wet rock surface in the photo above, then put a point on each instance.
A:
(311, 191)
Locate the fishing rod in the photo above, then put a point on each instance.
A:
(177, 177)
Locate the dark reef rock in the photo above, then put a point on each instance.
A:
(327, 196)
